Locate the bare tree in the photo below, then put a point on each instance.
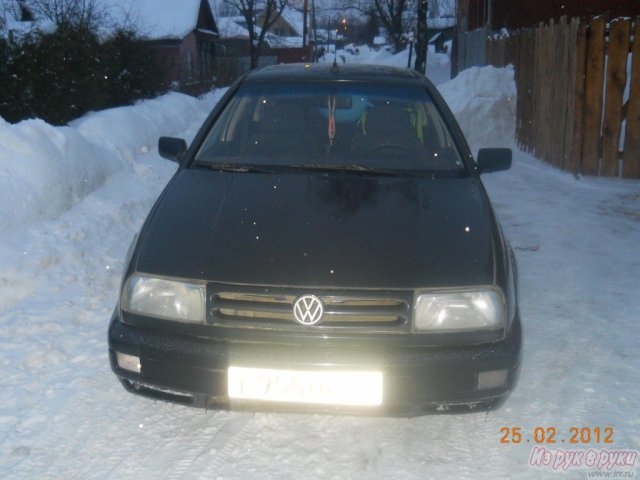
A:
(394, 17)
(89, 14)
(269, 10)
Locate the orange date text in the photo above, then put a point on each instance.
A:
(550, 435)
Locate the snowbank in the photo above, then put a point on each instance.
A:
(483, 99)
(44, 170)
(131, 129)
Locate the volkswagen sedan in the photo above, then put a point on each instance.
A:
(326, 244)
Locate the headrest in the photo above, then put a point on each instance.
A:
(283, 119)
(387, 119)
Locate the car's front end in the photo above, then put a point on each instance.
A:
(326, 286)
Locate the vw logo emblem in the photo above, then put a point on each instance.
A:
(308, 310)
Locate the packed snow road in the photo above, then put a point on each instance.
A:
(64, 415)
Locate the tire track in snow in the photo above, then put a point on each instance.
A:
(228, 439)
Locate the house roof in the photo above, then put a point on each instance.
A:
(234, 27)
(230, 27)
(277, 41)
(441, 22)
(160, 19)
(294, 18)
(10, 21)
(156, 19)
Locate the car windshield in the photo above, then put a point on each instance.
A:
(331, 125)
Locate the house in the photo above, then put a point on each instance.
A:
(514, 14)
(233, 38)
(183, 35)
(286, 36)
(234, 55)
(16, 19)
(288, 24)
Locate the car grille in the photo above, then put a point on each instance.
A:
(272, 308)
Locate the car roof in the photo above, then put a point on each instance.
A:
(314, 72)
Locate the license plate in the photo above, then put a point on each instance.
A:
(314, 387)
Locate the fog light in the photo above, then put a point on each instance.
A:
(492, 379)
(128, 362)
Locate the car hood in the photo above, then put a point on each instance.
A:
(319, 229)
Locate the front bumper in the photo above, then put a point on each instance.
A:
(193, 370)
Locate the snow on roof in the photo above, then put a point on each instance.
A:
(277, 41)
(294, 18)
(160, 19)
(156, 19)
(228, 27)
(233, 27)
(6, 14)
(10, 22)
(441, 22)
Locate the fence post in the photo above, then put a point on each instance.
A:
(616, 82)
(631, 165)
(578, 108)
(593, 96)
(570, 64)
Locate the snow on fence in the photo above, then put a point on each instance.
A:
(578, 86)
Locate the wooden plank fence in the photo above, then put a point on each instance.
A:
(472, 48)
(572, 84)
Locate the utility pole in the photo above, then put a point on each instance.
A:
(421, 37)
(315, 30)
(305, 9)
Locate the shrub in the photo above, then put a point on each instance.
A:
(61, 75)
(131, 69)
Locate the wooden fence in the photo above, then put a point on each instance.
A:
(472, 48)
(573, 79)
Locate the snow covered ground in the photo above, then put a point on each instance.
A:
(72, 198)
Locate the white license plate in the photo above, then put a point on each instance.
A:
(314, 387)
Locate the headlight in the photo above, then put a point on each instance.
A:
(162, 298)
(459, 311)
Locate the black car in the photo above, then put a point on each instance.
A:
(325, 244)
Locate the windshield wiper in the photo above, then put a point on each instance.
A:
(233, 167)
(353, 168)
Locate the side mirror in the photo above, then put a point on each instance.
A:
(494, 159)
(172, 148)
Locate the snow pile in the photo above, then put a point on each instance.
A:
(483, 99)
(44, 170)
(135, 129)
